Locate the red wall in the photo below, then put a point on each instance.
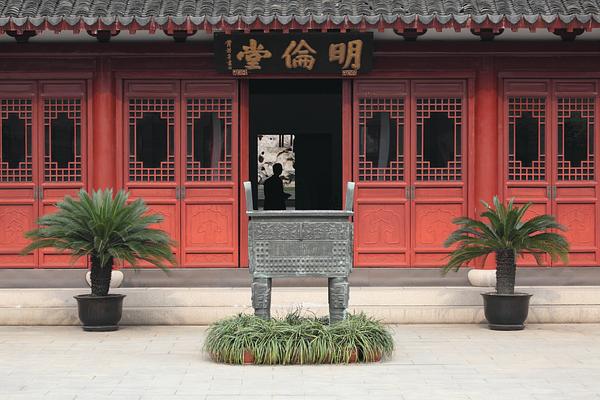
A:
(480, 69)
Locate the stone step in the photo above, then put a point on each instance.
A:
(199, 306)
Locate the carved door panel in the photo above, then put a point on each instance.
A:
(438, 167)
(528, 148)
(382, 211)
(574, 190)
(63, 142)
(209, 193)
(151, 126)
(18, 171)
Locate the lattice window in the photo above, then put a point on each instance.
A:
(526, 139)
(16, 164)
(439, 136)
(208, 155)
(381, 139)
(151, 140)
(575, 158)
(62, 140)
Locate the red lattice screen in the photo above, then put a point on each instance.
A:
(583, 108)
(24, 171)
(53, 108)
(206, 108)
(138, 172)
(452, 107)
(517, 107)
(394, 171)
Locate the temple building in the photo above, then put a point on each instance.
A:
(428, 106)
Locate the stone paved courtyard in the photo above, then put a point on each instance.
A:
(431, 362)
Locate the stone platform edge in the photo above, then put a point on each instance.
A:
(11, 278)
(393, 305)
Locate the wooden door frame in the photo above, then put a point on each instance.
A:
(28, 189)
(180, 80)
(551, 78)
(82, 80)
(444, 89)
(381, 88)
(564, 88)
(467, 80)
(222, 89)
(150, 88)
(81, 89)
(534, 88)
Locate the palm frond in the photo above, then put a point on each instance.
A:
(104, 225)
(503, 227)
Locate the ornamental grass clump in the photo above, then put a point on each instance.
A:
(298, 339)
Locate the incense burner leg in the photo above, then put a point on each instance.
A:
(261, 297)
(338, 299)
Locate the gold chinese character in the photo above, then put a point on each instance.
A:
(252, 54)
(299, 55)
(347, 55)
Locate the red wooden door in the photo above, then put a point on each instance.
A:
(209, 192)
(43, 158)
(18, 171)
(151, 124)
(438, 167)
(550, 157)
(381, 142)
(410, 147)
(180, 141)
(527, 153)
(574, 191)
(63, 143)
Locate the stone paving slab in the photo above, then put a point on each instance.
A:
(544, 362)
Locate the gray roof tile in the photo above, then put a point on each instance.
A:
(249, 14)
(356, 8)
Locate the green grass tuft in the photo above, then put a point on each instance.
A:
(298, 339)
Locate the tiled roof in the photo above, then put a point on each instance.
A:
(229, 15)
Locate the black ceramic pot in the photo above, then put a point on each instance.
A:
(100, 313)
(506, 312)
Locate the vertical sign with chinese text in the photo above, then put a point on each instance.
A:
(242, 54)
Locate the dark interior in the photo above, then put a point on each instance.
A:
(312, 111)
(13, 140)
(151, 140)
(576, 143)
(438, 140)
(527, 136)
(62, 151)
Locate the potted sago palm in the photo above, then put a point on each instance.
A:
(104, 229)
(507, 234)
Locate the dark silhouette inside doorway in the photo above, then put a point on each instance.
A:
(310, 111)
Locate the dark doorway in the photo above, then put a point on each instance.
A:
(298, 123)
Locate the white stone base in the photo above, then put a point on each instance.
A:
(116, 278)
(482, 277)
(200, 306)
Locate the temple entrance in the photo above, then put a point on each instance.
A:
(298, 125)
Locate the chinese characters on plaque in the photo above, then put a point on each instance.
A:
(342, 53)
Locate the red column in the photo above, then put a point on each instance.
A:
(487, 139)
(103, 134)
(244, 146)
